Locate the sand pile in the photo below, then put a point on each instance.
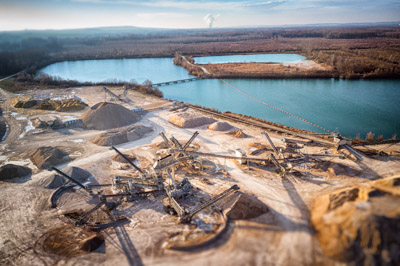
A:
(188, 120)
(11, 171)
(336, 169)
(47, 104)
(119, 158)
(238, 133)
(220, 126)
(55, 181)
(246, 207)
(360, 224)
(70, 241)
(258, 145)
(121, 135)
(108, 115)
(24, 101)
(47, 156)
(70, 105)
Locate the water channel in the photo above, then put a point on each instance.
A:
(348, 106)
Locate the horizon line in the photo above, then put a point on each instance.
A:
(231, 27)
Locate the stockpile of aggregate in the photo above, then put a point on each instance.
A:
(108, 115)
(62, 106)
(11, 171)
(238, 133)
(190, 120)
(336, 169)
(220, 126)
(24, 101)
(119, 158)
(70, 105)
(45, 157)
(71, 241)
(46, 121)
(55, 181)
(121, 135)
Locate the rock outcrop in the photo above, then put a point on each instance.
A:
(360, 224)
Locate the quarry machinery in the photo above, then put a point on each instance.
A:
(127, 184)
(179, 153)
(242, 159)
(271, 143)
(187, 216)
(73, 180)
(129, 192)
(183, 189)
(174, 158)
(342, 142)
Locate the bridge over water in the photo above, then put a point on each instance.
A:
(177, 81)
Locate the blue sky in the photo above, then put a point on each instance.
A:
(60, 14)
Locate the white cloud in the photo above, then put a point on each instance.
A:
(189, 5)
(152, 15)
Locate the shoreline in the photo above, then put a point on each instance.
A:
(307, 69)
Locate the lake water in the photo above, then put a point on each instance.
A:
(256, 58)
(154, 69)
(348, 106)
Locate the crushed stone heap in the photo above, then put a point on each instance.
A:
(55, 181)
(108, 115)
(11, 171)
(188, 120)
(220, 126)
(45, 157)
(119, 158)
(238, 133)
(62, 106)
(23, 101)
(28, 101)
(121, 135)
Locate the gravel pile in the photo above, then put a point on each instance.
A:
(108, 115)
(121, 135)
(188, 120)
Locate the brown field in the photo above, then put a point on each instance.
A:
(265, 70)
(363, 52)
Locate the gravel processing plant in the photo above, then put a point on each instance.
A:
(114, 177)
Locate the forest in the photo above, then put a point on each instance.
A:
(352, 52)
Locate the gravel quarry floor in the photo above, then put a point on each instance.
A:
(275, 228)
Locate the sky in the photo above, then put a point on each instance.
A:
(68, 14)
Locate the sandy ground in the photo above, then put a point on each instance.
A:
(307, 67)
(281, 236)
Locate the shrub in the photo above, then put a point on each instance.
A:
(370, 137)
(379, 138)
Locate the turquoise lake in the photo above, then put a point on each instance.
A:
(348, 106)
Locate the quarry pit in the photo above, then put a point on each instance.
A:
(302, 199)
